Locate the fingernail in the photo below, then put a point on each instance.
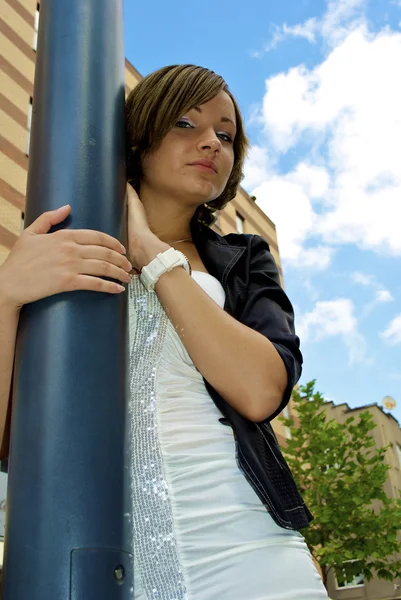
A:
(123, 249)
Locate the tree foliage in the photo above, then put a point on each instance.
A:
(341, 474)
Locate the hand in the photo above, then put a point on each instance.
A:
(143, 244)
(42, 264)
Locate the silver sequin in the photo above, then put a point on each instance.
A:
(155, 544)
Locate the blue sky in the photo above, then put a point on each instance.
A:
(318, 84)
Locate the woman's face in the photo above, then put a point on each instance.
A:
(204, 134)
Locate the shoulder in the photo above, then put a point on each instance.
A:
(255, 243)
(251, 241)
(257, 253)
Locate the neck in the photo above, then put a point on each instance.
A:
(168, 218)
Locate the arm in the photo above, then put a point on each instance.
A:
(242, 365)
(268, 310)
(9, 318)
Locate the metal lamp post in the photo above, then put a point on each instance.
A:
(66, 534)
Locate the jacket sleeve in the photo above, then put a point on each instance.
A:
(268, 310)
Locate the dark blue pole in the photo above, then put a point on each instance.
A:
(66, 534)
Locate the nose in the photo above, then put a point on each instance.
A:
(209, 141)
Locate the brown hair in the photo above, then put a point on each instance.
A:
(157, 102)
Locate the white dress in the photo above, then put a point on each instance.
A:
(200, 531)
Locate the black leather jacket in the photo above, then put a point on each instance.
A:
(248, 273)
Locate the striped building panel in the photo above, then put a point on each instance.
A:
(13, 131)
(13, 97)
(17, 23)
(16, 57)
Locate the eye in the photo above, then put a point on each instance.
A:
(182, 123)
(226, 137)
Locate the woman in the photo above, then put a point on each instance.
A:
(214, 356)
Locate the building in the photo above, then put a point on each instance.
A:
(19, 21)
(387, 432)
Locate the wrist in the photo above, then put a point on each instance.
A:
(163, 263)
(8, 305)
(6, 302)
(147, 248)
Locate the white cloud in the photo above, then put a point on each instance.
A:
(334, 318)
(318, 257)
(258, 167)
(392, 333)
(384, 296)
(311, 289)
(315, 180)
(363, 279)
(341, 17)
(345, 111)
(286, 202)
(255, 116)
(306, 30)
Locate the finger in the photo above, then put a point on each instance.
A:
(49, 218)
(96, 238)
(105, 254)
(95, 284)
(102, 268)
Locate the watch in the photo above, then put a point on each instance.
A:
(163, 263)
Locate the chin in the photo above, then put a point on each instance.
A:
(205, 191)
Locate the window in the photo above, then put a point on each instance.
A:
(239, 222)
(36, 26)
(28, 126)
(342, 582)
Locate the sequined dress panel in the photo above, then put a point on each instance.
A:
(200, 531)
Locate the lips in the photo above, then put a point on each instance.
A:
(208, 164)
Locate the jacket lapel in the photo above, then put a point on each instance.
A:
(218, 256)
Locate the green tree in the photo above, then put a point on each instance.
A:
(340, 473)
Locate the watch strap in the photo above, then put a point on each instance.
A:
(163, 263)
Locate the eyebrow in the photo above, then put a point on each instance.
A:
(222, 120)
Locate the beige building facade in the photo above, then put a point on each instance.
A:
(387, 432)
(18, 35)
